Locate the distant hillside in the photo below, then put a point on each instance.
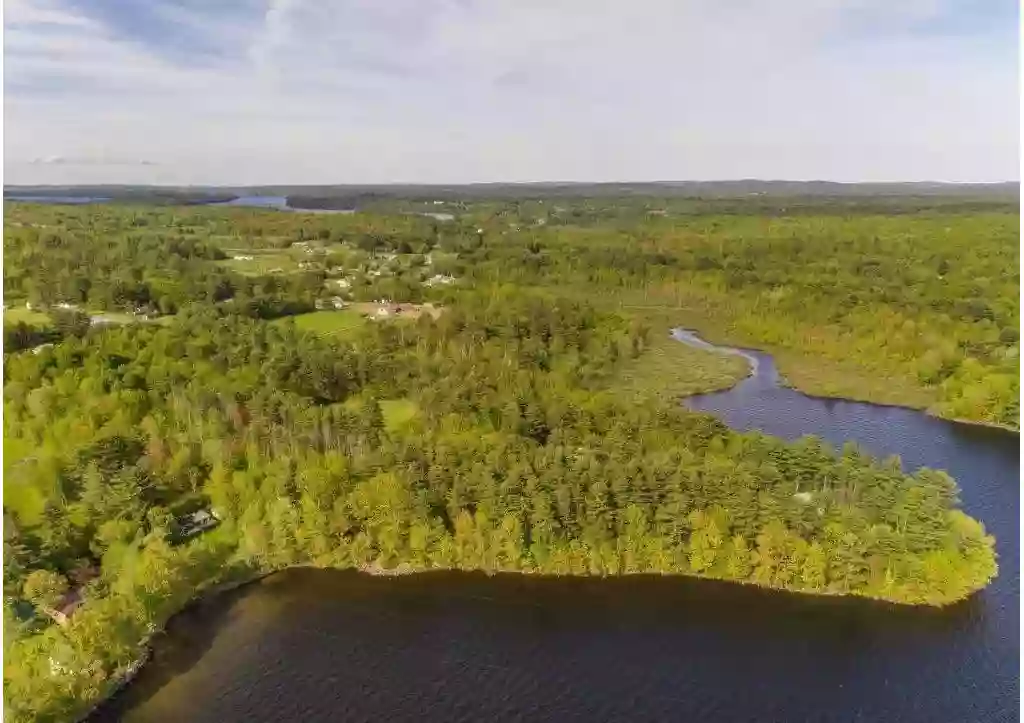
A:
(161, 195)
(706, 189)
(668, 189)
(741, 196)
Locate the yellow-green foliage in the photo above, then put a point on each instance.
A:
(504, 435)
(397, 413)
(262, 262)
(20, 314)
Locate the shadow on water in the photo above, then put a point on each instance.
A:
(320, 644)
(333, 645)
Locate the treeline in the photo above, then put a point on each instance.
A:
(929, 303)
(107, 263)
(159, 261)
(920, 309)
(140, 195)
(518, 455)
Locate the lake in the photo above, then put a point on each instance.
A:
(61, 200)
(337, 645)
(278, 202)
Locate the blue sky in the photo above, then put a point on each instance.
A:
(445, 91)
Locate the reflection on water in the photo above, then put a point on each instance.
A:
(330, 645)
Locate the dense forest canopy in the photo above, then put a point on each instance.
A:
(496, 435)
(921, 310)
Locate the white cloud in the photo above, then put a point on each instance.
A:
(305, 91)
(86, 161)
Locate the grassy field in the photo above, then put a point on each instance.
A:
(669, 370)
(21, 314)
(114, 317)
(820, 377)
(811, 374)
(333, 323)
(262, 262)
(397, 412)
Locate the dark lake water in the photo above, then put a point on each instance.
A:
(448, 647)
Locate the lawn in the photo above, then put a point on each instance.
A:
(397, 413)
(32, 318)
(329, 323)
(113, 317)
(262, 262)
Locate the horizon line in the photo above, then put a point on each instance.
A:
(517, 183)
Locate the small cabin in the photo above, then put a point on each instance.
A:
(197, 523)
(66, 607)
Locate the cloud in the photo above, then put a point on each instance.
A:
(333, 91)
(64, 161)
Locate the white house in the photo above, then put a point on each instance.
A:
(442, 279)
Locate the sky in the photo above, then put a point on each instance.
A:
(244, 92)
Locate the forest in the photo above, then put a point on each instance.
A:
(508, 433)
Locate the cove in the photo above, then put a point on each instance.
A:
(337, 645)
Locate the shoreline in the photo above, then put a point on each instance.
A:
(119, 683)
(975, 423)
(786, 383)
(405, 569)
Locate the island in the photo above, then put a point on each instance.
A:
(497, 392)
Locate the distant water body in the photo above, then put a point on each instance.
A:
(278, 203)
(60, 200)
(444, 647)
